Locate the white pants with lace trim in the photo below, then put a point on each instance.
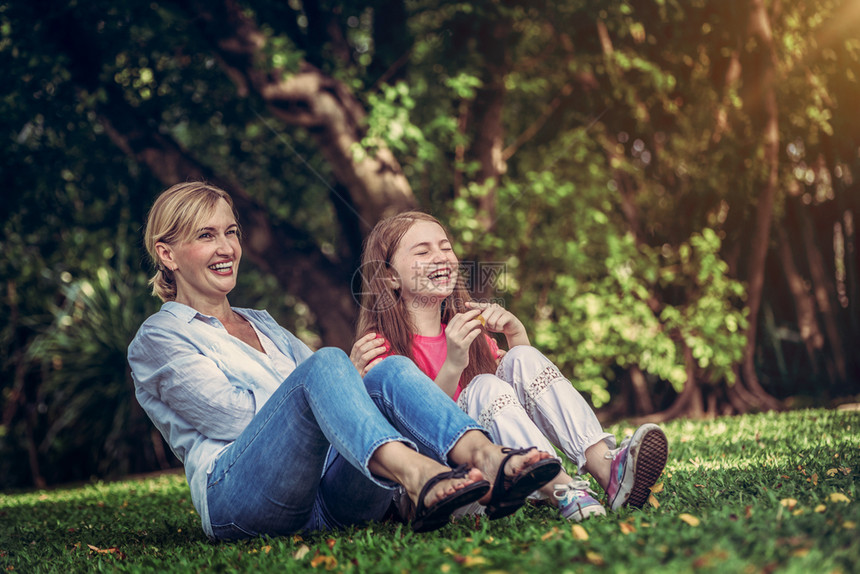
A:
(528, 402)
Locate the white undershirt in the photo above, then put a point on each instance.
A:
(281, 363)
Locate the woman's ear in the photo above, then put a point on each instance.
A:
(165, 256)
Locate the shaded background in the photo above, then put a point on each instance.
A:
(665, 191)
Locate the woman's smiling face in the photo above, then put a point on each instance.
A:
(205, 267)
(425, 264)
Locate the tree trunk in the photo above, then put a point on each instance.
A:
(765, 94)
(642, 395)
(822, 288)
(486, 115)
(807, 323)
(689, 403)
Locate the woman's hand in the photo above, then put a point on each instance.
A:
(499, 320)
(462, 329)
(366, 351)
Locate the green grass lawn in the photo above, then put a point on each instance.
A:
(759, 493)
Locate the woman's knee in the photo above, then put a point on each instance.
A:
(330, 355)
(334, 359)
(328, 366)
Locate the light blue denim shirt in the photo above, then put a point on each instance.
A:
(201, 386)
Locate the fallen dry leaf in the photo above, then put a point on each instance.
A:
(550, 534)
(112, 550)
(474, 561)
(594, 558)
(627, 528)
(579, 533)
(330, 562)
(690, 519)
(652, 500)
(820, 508)
(657, 488)
(839, 497)
(815, 479)
(849, 525)
(301, 552)
(789, 503)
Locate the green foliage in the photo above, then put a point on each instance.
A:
(736, 495)
(87, 395)
(586, 290)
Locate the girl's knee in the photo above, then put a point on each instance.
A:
(523, 352)
(523, 363)
(488, 387)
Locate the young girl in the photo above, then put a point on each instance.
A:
(413, 304)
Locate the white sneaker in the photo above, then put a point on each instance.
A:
(576, 501)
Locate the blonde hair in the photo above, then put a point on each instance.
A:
(175, 217)
(383, 310)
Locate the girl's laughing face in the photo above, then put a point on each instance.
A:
(425, 264)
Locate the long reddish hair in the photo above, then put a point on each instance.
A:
(383, 310)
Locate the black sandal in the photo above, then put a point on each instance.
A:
(510, 492)
(436, 516)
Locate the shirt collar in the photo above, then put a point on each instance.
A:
(180, 311)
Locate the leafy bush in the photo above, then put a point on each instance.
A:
(93, 423)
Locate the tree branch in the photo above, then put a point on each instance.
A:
(311, 99)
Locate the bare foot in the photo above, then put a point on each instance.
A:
(442, 489)
(491, 458)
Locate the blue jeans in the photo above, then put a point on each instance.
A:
(278, 477)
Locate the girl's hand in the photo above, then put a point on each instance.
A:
(462, 329)
(365, 351)
(500, 320)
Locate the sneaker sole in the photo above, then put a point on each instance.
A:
(649, 459)
(583, 513)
